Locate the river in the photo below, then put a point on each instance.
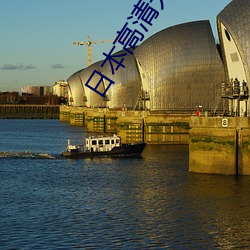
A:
(48, 202)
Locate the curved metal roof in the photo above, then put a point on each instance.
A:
(127, 87)
(76, 90)
(181, 66)
(93, 99)
(124, 92)
(236, 18)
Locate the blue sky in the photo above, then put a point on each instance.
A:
(36, 35)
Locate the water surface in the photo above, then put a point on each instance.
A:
(148, 203)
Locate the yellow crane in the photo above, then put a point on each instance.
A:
(89, 43)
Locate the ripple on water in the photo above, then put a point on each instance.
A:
(145, 203)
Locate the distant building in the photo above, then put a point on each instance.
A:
(60, 89)
(39, 95)
(30, 90)
(9, 97)
(47, 90)
(37, 90)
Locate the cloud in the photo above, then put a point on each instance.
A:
(57, 66)
(29, 67)
(7, 66)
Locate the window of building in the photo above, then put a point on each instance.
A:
(227, 35)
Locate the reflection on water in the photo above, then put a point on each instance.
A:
(107, 203)
(224, 201)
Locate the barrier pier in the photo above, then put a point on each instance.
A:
(219, 145)
(132, 126)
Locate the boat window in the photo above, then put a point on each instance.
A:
(94, 142)
(107, 142)
(100, 142)
(117, 141)
(112, 141)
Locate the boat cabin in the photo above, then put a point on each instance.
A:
(105, 143)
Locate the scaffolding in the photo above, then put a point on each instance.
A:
(233, 94)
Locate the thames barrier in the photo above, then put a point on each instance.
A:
(179, 86)
(174, 75)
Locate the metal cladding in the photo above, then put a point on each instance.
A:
(126, 90)
(234, 32)
(75, 90)
(181, 67)
(92, 98)
(124, 93)
(235, 17)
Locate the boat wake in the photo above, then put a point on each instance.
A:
(26, 154)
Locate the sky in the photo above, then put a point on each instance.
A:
(36, 35)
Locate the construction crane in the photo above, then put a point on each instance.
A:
(89, 43)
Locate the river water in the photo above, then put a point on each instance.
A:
(150, 203)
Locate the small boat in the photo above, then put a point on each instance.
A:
(96, 146)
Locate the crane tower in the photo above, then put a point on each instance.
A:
(89, 43)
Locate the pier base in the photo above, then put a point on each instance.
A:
(132, 126)
(219, 145)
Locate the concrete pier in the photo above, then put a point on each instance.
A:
(219, 145)
(64, 114)
(132, 126)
